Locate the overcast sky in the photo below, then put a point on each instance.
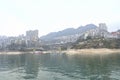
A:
(17, 16)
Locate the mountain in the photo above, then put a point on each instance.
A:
(68, 32)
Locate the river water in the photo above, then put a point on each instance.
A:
(59, 67)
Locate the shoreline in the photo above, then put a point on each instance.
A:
(69, 51)
(92, 51)
(13, 52)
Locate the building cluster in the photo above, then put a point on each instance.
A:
(101, 31)
(29, 40)
(66, 39)
(115, 34)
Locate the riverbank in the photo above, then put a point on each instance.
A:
(92, 51)
(69, 51)
(13, 52)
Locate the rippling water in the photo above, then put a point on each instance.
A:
(59, 67)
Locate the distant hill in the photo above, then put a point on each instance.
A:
(67, 32)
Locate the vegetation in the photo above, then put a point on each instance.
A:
(15, 46)
(97, 43)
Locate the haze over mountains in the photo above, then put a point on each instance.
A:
(68, 31)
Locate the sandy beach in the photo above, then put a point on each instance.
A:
(12, 52)
(72, 51)
(91, 51)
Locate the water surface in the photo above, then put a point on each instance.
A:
(59, 67)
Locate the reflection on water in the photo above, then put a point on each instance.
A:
(59, 67)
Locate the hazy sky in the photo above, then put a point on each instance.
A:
(17, 16)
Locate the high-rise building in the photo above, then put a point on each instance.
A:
(32, 38)
(102, 26)
(32, 35)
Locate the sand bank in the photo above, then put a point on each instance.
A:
(92, 51)
(70, 51)
(13, 52)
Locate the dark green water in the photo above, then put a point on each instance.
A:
(59, 67)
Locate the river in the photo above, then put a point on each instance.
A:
(59, 67)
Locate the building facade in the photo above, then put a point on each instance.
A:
(102, 26)
(32, 38)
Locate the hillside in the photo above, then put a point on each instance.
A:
(97, 43)
(68, 31)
